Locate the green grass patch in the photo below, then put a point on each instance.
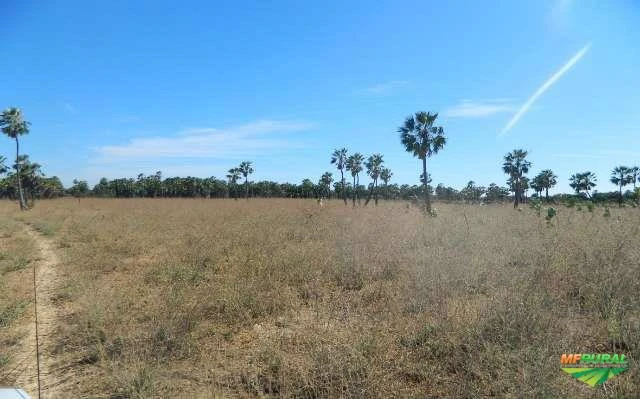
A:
(9, 314)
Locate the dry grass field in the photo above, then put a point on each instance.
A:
(222, 298)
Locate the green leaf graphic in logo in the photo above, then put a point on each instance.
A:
(593, 376)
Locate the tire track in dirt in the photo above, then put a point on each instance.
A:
(47, 280)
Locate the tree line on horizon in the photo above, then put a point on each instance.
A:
(26, 182)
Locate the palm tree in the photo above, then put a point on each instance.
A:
(385, 176)
(516, 166)
(354, 165)
(30, 176)
(537, 185)
(374, 168)
(14, 125)
(583, 182)
(339, 158)
(419, 136)
(325, 182)
(621, 176)
(245, 169)
(635, 175)
(548, 179)
(233, 176)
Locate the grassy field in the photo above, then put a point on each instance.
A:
(223, 298)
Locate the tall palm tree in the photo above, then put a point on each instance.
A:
(516, 166)
(245, 169)
(354, 165)
(385, 176)
(13, 125)
(374, 168)
(339, 158)
(419, 136)
(548, 180)
(233, 176)
(621, 176)
(584, 181)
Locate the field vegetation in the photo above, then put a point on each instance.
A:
(282, 297)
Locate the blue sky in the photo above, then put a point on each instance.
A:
(193, 88)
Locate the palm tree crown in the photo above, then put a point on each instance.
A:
(354, 164)
(13, 124)
(584, 181)
(621, 176)
(419, 136)
(339, 158)
(374, 166)
(245, 169)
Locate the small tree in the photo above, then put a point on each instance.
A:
(374, 169)
(246, 169)
(385, 176)
(233, 175)
(325, 183)
(516, 166)
(621, 176)
(635, 175)
(79, 189)
(354, 165)
(548, 180)
(339, 158)
(537, 185)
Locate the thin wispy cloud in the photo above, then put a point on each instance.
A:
(243, 140)
(480, 109)
(545, 86)
(385, 87)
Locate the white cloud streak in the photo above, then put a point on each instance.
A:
(231, 142)
(479, 109)
(545, 86)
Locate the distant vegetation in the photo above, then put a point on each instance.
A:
(419, 135)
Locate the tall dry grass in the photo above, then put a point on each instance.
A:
(212, 298)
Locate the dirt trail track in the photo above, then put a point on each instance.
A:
(46, 282)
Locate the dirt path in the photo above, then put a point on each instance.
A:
(46, 282)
